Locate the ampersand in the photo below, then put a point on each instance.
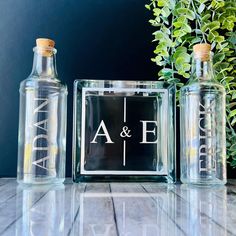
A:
(125, 132)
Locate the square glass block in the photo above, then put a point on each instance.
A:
(124, 131)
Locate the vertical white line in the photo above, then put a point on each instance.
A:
(124, 152)
(124, 142)
(124, 109)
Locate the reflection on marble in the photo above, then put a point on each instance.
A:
(41, 217)
(124, 209)
(206, 210)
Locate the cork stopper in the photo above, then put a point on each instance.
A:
(45, 46)
(202, 51)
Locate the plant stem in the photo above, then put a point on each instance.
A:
(197, 18)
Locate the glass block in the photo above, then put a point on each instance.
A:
(124, 131)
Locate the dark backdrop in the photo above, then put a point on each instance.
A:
(108, 39)
(100, 39)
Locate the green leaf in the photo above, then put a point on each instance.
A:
(228, 22)
(203, 1)
(198, 31)
(179, 50)
(186, 75)
(159, 35)
(233, 147)
(227, 79)
(219, 57)
(219, 39)
(187, 29)
(180, 84)
(233, 154)
(231, 59)
(186, 67)
(187, 12)
(211, 26)
(165, 30)
(233, 122)
(148, 7)
(201, 8)
(181, 63)
(232, 113)
(179, 33)
(153, 59)
(165, 11)
(156, 11)
(232, 84)
(167, 71)
(153, 22)
(232, 104)
(206, 17)
(212, 36)
(161, 3)
(234, 96)
(195, 40)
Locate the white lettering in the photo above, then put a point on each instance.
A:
(105, 133)
(42, 125)
(41, 162)
(43, 104)
(145, 131)
(207, 161)
(40, 136)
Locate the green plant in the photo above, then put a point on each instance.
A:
(182, 23)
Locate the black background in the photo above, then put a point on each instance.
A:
(97, 39)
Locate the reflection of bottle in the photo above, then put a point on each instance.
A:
(42, 209)
(202, 217)
(42, 126)
(202, 107)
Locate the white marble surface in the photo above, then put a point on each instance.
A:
(119, 209)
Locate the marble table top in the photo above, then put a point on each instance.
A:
(119, 209)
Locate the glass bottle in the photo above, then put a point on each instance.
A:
(202, 118)
(42, 123)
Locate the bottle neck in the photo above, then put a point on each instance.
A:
(202, 68)
(44, 64)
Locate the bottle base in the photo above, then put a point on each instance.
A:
(40, 181)
(113, 178)
(204, 182)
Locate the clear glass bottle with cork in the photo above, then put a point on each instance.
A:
(42, 120)
(202, 118)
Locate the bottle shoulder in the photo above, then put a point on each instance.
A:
(37, 83)
(195, 86)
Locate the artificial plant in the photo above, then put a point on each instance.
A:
(179, 24)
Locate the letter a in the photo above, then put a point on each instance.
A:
(105, 133)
